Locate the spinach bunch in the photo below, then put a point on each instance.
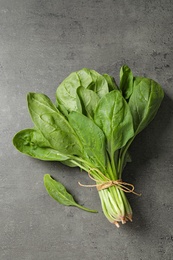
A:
(92, 126)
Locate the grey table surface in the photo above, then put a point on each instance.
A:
(41, 42)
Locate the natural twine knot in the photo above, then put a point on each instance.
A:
(107, 183)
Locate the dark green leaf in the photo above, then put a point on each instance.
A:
(126, 81)
(113, 116)
(53, 125)
(144, 102)
(92, 138)
(58, 192)
(87, 101)
(100, 85)
(33, 143)
(66, 92)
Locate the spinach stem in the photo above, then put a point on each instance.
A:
(86, 209)
(113, 166)
(115, 205)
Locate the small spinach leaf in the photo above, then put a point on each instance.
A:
(111, 82)
(126, 81)
(58, 192)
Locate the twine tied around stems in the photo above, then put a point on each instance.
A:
(104, 184)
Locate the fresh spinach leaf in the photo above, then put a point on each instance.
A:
(34, 144)
(92, 138)
(58, 192)
(113, 116)
(144, 102)
(100, 86)
(126, 81)
(87, 101)
(53, 125)
(66, 92)
(111, 82)
(85, 77)
(61, 108)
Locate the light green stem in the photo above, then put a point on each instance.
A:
(86, 209)
(115, 205)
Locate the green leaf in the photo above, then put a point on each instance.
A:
(53, 125)
(144, 102)
(85, 77)
(33, 143)
(100, 85)
(126, 81)
(87, 101)
(66, 92)
(58, 192)
(92, 138)
(113, 116)
(111, 82)
(63, 110)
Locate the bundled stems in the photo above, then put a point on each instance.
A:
(111, 191)
(114, 202)
(115, 205)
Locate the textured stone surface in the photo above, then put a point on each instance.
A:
(41, 42)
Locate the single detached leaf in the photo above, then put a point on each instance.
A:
(113, 116)
(58, 192)
(34, 144)
(53, 125)
(144, 102)
(87, 101)
(126, 81)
